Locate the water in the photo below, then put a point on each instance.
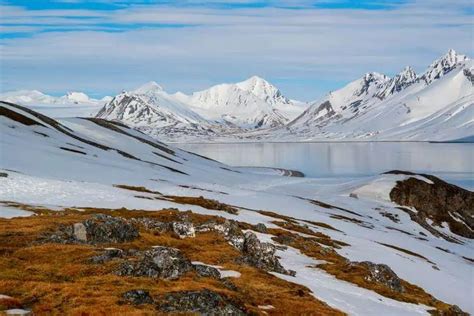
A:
(450, 161)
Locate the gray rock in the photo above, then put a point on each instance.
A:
(207, 271)
(152, 224)
(79, 232)
(102, 228)
(99, 228)
(183, 229)
(137, 297)
(203, 302)
(381, 273)
(262, 255)
(159, 262)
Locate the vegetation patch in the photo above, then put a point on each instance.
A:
(51, 278)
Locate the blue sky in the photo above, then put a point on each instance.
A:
(306, 48)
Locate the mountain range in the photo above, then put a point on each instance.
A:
(436, 105)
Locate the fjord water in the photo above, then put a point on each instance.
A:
(453, 162)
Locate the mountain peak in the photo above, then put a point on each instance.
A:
(407, 74)
(263, 90)
(77, 96)
(443, 65)
(149, 87)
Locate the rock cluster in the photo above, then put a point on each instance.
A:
(255, 253)
(98, 229)
(381, 274)
(159, 262)
(262, 255)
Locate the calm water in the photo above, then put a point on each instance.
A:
(453, 162)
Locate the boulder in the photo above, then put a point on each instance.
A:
(204, 302)
(382, 274)
(98, 229)
(137, 297)
(207, 271)
(261, 255)
(159, 262)
(183, 229)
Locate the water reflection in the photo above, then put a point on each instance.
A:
(453, 162)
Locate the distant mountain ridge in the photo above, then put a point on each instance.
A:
(438, 105)
(434, 105)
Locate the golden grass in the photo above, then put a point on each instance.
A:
(57, 279)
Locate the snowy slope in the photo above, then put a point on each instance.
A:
(438, 105)
(76, 162)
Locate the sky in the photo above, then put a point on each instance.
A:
(306, 48)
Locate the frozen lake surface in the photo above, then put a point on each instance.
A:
(453, 162)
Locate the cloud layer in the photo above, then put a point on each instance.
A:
(306, 49)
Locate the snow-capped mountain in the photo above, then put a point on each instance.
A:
(223, 109)
(253, 103)
(71, 104)
(36, 98)
(434, 105)
(438, 105)
(150, 109)
(443, 65)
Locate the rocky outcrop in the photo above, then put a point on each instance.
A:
(262, 255)
(159, 262)
(204, 302)
(382, 274)
(98, 229)
(183, 229)
(254, 253)
(437, 201)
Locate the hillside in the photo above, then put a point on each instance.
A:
(93, 213)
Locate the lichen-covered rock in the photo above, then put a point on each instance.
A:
(159, 262)
(99, 228)
(152, 224)
(137, 297)
(183, 229)
(382, 274)
(229, 229)
(261, 254)
(204, 302)
(207, 271)
(107, 255)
